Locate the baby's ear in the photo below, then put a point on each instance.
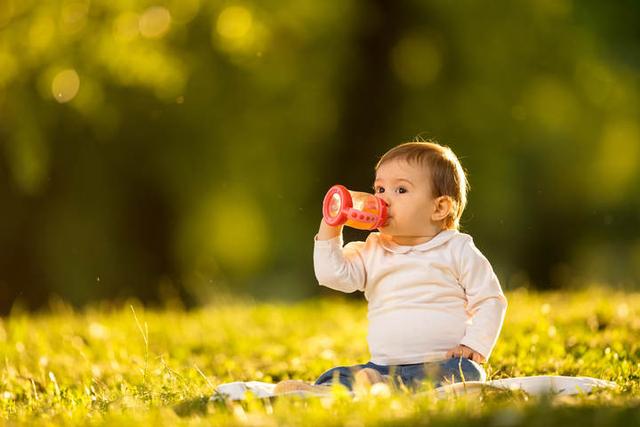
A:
(443, 206)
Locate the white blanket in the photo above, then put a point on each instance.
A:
(536, 385)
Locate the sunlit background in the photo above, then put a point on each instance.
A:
(179, 149)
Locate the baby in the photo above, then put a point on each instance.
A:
(435, 306)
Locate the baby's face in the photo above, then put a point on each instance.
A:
(406, 187)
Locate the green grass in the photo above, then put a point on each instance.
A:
(127, 365)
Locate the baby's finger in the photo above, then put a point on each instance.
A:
(465, 352)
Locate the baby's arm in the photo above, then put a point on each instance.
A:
(327, 231)
(336, 267)
(485, 301)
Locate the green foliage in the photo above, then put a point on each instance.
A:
(106, 365)
(184, 146)
(159, 154)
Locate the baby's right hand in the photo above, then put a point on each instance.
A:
(462, 350)
(327, 232)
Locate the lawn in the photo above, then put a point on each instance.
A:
(124, 364)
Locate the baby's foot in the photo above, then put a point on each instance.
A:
(367, 377)
(288, 386)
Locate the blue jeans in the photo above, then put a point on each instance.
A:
(442, 372)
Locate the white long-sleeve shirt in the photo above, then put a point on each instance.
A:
(423, 300)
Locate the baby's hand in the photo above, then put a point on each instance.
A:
(464, 351)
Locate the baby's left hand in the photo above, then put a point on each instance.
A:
(464, 351)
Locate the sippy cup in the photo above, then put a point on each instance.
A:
(353, 208)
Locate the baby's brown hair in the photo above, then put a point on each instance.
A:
(448, 178)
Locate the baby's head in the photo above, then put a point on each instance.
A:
(425, 187)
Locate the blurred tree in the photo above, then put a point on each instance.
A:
(183, 147)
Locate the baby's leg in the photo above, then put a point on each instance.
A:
(459, 369)
(367, 377)
(288, 386)
(342, 374)
(413, 375)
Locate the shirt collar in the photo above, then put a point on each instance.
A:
(439, 239)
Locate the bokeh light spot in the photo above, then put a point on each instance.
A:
(65, 85)
(183, 11)
(41, 33)
(552, 104)
(617, 159)
(125, 27)
(155, 22)
(74, 15)
(416, 60)
(242, 246)
(234, 22)
(230, 228)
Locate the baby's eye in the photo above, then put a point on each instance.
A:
(379, 190)
(402, 190)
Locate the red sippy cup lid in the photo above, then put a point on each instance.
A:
(336, 205)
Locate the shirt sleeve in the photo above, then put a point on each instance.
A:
(486, 302)
(339, 268)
